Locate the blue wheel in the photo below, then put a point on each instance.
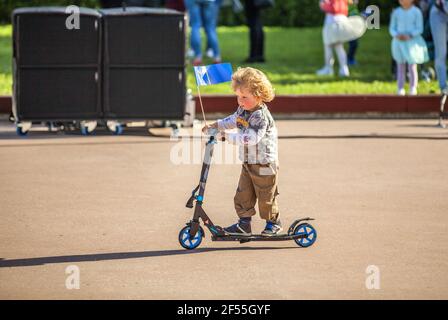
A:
(187, 242)
(118, 129)
(21, 132)
(309, 231)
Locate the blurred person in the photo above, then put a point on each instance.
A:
(352, 45)
(438, 18)
(209, 51)
(335, 11)
(408, 46)
(252, 10)
(202, 13)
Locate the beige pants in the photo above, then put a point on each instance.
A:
(257, 181)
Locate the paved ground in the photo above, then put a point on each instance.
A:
(113, 207)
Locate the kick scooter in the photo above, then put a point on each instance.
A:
(190, 237)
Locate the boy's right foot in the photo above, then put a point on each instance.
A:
(272, 228)
(239, 229)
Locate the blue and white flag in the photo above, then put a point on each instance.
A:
(213, 74)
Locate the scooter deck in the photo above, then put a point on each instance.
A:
(258, 237)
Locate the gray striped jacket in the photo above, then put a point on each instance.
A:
(257, 135)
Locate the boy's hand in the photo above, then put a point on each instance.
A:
(221, 136)
(208, 127)
(205, 129)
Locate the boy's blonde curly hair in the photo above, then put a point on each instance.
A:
(255, 81)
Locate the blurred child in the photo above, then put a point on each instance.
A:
(408, 46)
(335, 11)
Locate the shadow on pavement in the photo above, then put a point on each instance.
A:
(26, 262)
(431, 126)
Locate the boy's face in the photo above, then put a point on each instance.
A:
(246, 99)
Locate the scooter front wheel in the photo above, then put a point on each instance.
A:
(309, 231)
(186, 241)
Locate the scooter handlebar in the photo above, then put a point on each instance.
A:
(213, 132)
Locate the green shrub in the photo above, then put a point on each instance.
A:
(286, 13)
(9, 5)
(302, 13)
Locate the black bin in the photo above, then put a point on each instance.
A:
(143, 63)
(57, 70)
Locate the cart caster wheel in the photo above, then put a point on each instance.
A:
(87, 127)
(115, 127)
(21, 132)
(187, 242)
(118, 130)
(174, 130)
(84, 131)
(311, 235)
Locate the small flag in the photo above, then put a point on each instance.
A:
(213, 74)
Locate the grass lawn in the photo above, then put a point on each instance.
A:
(293, 55)
(5, 60)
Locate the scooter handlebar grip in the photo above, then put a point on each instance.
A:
(212, 131)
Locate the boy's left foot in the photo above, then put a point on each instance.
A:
(242, 228)
(272, 228)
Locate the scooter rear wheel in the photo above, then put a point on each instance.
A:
(186, 241)
(309, 231)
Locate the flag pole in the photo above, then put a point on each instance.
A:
(202, 77)
(200, 102)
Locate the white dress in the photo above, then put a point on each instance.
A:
(339, 28)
